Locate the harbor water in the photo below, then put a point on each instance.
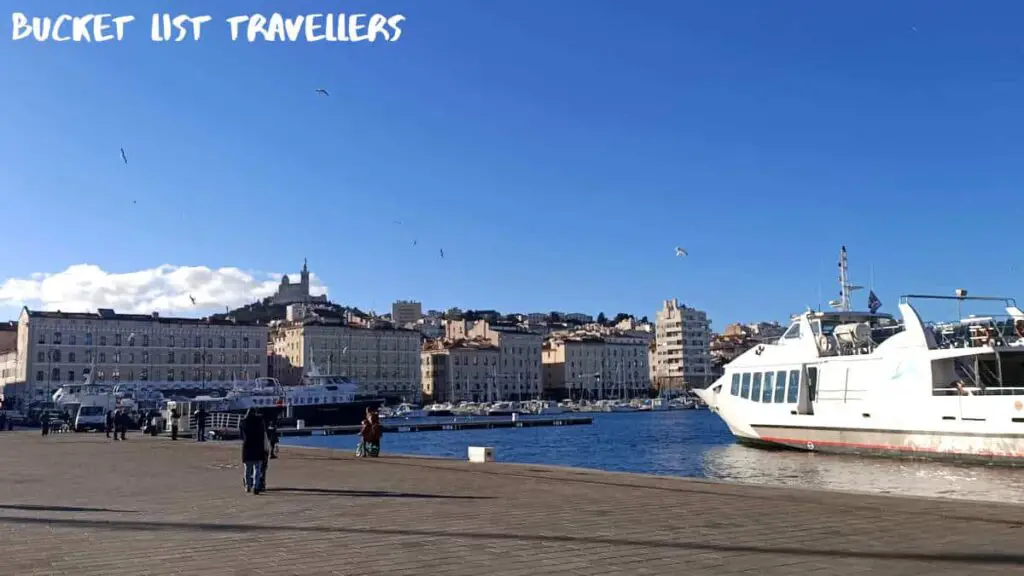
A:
(695, 443)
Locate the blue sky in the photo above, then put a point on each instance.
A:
(557, 151)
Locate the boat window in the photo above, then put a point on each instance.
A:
(780, 386)
(755, 392)
(793, 391)
(812, 383)
(766, 395)
(735, 388)
(745, 387)
(793, 332)
(815, 327)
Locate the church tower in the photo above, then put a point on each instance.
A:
(304, 281)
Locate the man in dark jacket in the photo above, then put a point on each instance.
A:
(201, 415)
(254, 451)
(110, 423)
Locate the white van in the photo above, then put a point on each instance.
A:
(90, 417)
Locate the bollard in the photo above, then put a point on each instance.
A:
(300, 424)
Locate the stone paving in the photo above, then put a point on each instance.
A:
(79, 504)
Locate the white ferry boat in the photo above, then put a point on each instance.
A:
(863, 383)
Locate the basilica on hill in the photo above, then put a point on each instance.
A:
(289, 293)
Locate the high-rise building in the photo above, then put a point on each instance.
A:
(682, 339)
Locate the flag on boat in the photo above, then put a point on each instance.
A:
(873, 302)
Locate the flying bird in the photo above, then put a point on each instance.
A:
(124, 157)
(322, 92)
(399, 222)
(442, 252)
(192, 298)
(414, 242)
(681, 252)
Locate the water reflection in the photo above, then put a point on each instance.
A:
(884, 476)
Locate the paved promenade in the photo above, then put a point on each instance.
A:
(79, 504)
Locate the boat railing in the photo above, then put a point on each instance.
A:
(218, 421)
(995, 330)
(978, 391)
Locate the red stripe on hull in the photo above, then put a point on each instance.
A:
(888, 448)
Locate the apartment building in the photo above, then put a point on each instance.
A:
(596, 366)
(405, 312)
(58, 347)
(382, 360)
(682, 339)
(460, 371)
(519, 373)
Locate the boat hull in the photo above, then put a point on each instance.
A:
(340, 414)
(1001, 449)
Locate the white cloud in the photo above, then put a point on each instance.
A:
(166, 289)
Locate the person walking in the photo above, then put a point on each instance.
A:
(254, 450)
(201, 415)
(110, 423)
(175, 416)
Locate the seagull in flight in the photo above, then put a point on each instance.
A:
(124, 157)
(681, 252)
(192, 298)
(398, 222)
(414, 242)
(322, 92)
(442, 252)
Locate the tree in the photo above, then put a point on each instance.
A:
(620, 317)
(601, 318)
(644, 320)
(555, 317)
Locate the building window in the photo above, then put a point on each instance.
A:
(88, 338)
(196, 359)
(131, 357)
(42, 338)
(221, 358)
(115, 375)
(55, 375)
(40, 375)
(234, 342)
(145, 339)
(103, 340)
(41, 356)
(199, 342)
(209, 342)
(117, 340)
(170, 359)
(103, 357)
(71, 357)
(56, 356)
(222, 341)
(72, 340)
(145, 357)
(56, 338)
(170, 374)
(170, 341)
(71, 375)
(245, 342)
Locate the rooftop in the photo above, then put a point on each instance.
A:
(110, 314)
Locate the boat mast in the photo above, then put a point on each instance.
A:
(845, 288)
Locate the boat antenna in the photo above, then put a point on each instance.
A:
(821, 270)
